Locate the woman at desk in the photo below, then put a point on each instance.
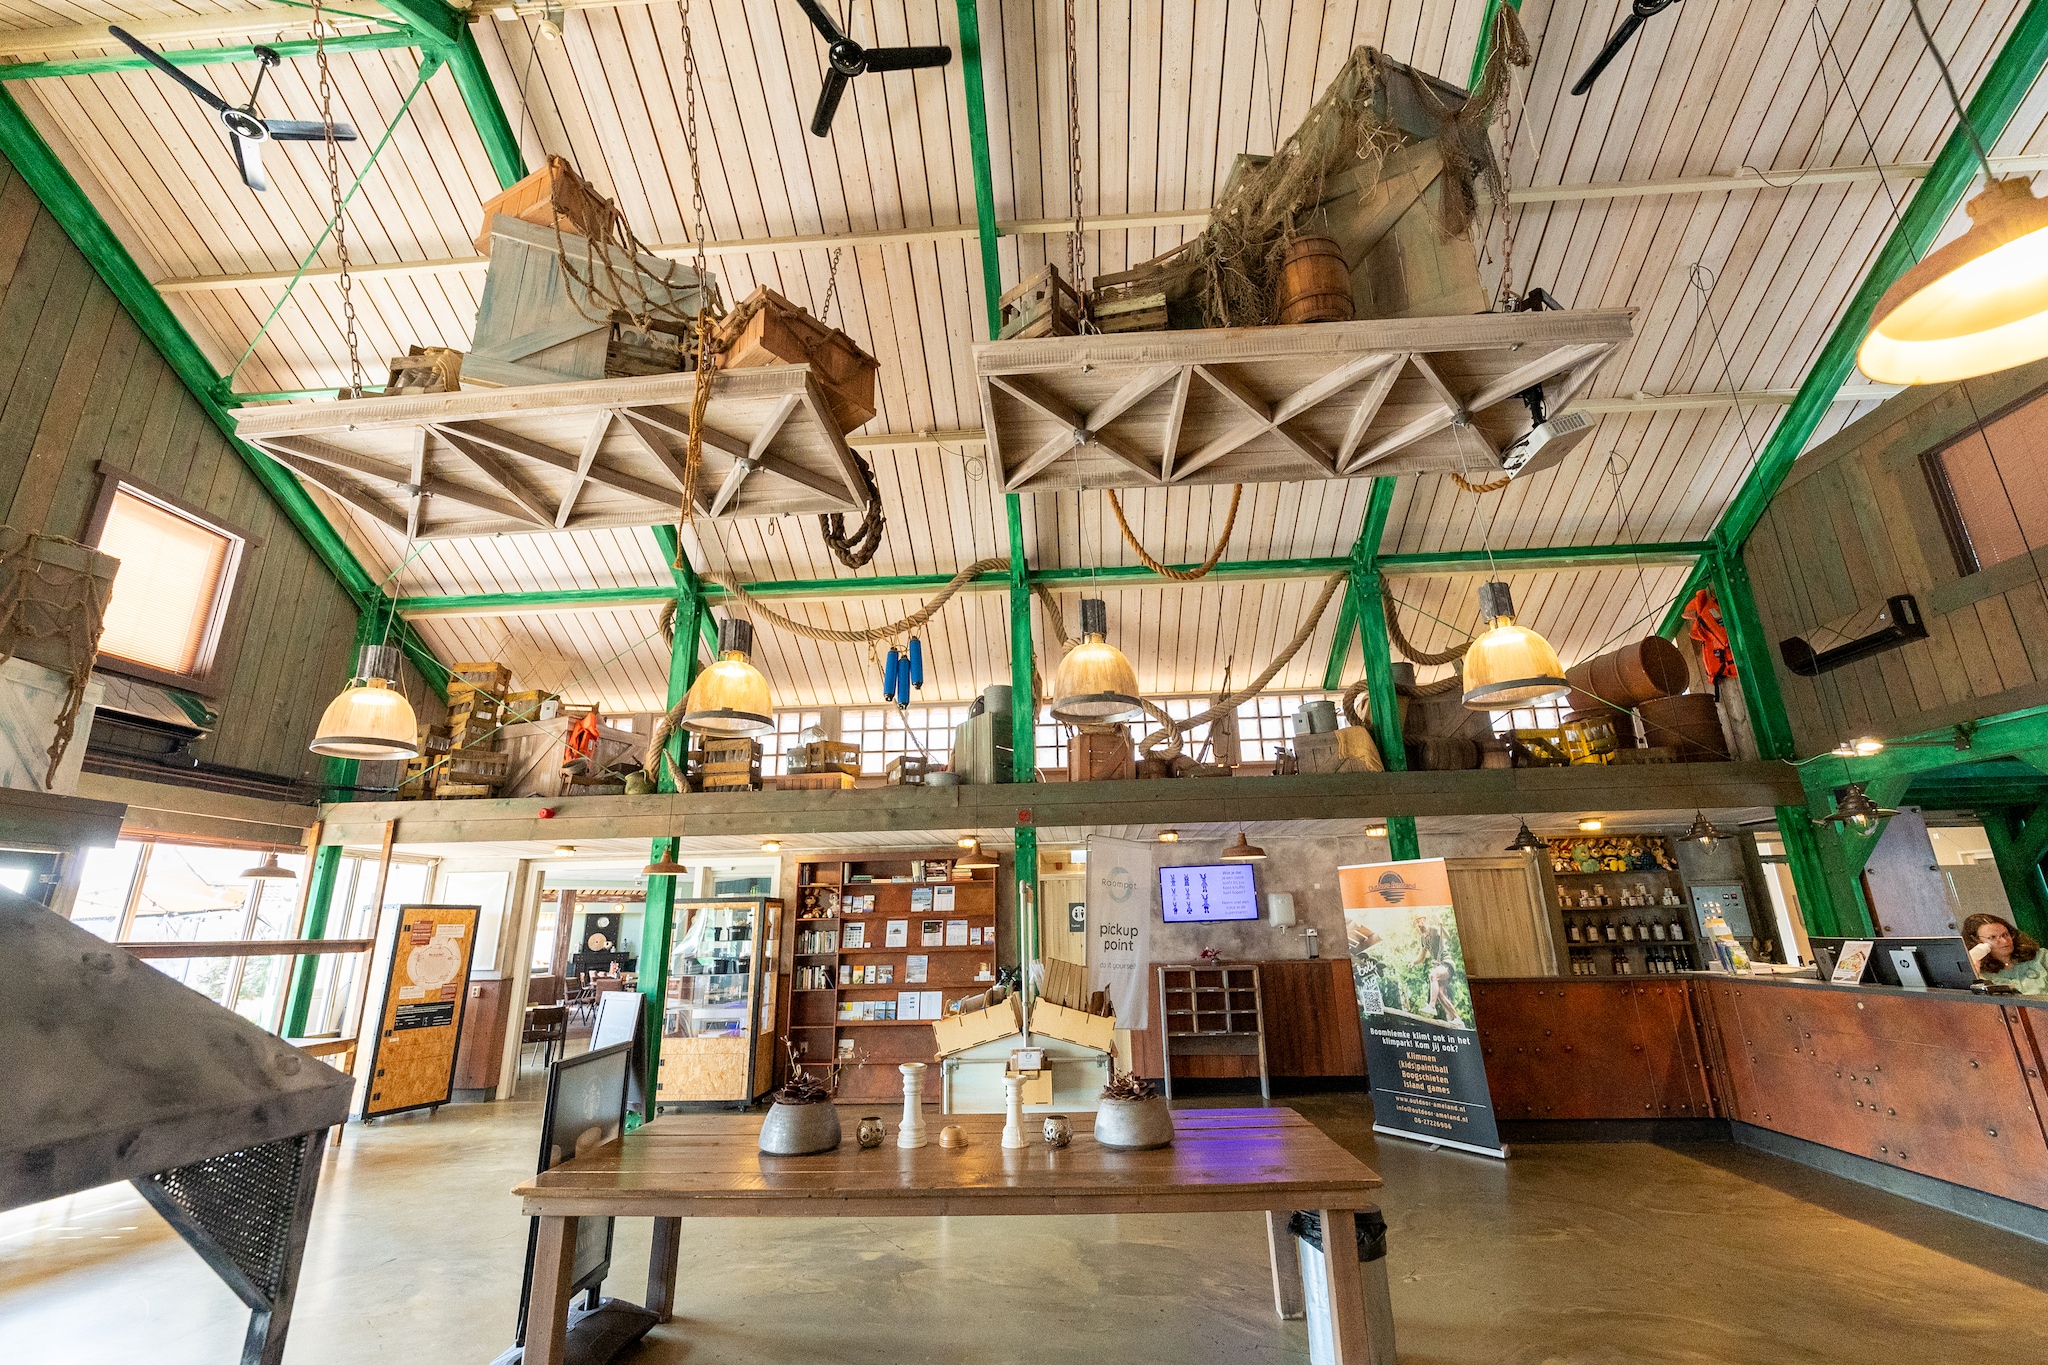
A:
(2003, 953)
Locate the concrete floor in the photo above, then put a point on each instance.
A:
(1610, 1252)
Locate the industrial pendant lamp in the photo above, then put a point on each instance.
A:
(1095, 682)
(1857, 809)
(1509, 665)
(269, 868)
(974, 860)
(731, 696)
(664, 866)
(1243, 851)
(1526, 841)
(370, 719)
(1703, 831)
(1977, 305)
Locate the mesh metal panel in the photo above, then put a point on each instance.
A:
(245, 1201)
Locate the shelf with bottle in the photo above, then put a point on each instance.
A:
(1655, 960)
(1620, 928)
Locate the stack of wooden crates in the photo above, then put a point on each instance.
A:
(462, 757)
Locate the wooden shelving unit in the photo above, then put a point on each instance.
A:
(824, 893)
(1642, 952)
(1212, 1011)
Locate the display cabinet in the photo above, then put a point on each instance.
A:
(724, 993)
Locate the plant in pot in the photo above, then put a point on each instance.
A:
(802, 1121)
(1132, 1117)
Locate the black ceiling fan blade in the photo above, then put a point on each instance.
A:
(156, 59)
(828, 101)
(301, 130)
(1607, 54)
(907, 58)
(822, 21)
(249, 159)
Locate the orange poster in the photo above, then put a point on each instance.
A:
(414, 1062)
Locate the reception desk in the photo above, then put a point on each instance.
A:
(1940, 1085)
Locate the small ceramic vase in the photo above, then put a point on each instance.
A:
(870, 1133)
(1134, 1125)
(911, 1132)
(1059, 1131)
(952, 1135)
(800, 1129)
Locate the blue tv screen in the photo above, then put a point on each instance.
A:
(1198, 894)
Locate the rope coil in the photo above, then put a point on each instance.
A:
(1164, 571)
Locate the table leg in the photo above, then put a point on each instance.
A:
(547, 1307)
(1343, 1285)
(662, 1262)
(1286, 1259)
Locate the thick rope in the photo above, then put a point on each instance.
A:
(857, 637)
(1167, 737)
(1406, 648)
(1494, 487)
(1178, 575)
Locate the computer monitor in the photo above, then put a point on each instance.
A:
(1826, 952)
(586, 1108)
(1944, 961)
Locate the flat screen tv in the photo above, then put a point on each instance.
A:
(1215, 891)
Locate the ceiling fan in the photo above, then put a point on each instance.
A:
(247, 130)
(1639, 12)
(849, 59)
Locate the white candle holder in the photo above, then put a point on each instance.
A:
(1013, 1120)
(910, 1133)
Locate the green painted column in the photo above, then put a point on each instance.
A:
(1808, 868)
(1385, 702)
(444, 31)
(2015, 844)
(969, 13)
(326, 870)
(1755, 668)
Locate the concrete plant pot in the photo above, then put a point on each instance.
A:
(800, 1129)
(1134, 1125)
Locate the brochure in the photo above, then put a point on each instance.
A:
(896, 933)
(914, 969)
(956, 933)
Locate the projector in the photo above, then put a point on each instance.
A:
(1546, 444)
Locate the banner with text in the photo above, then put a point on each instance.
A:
(1421, 1046)
(1123, 883)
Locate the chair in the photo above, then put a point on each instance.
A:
(547, 1025)
(544, 990)
(583, 1000)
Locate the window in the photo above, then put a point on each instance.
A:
(886, 732)
(787, 735)
(171, 594)
(1988, 489)
(1548, 717)
(1265, 724)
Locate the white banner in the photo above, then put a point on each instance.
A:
(1123, 891)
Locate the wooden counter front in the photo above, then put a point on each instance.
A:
(1312, 1027)
(1945, 1084)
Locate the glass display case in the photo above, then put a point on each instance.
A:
(718, 1019)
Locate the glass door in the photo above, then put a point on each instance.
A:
(708, 1020)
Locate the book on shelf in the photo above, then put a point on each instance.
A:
(856, 936)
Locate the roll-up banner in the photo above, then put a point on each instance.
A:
(1123, 888)
(1421, 1047)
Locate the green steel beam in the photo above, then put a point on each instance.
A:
(240, 400)
(319, 898)
(1486, 22)
(969, 12)
(690, 591)
(1753, 664)
(2018, 835)
(60, 194)
(203, 56)
(1023, 695)
(445, 32)
(1363, 560)
(1545, 558)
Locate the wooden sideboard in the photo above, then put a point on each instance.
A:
(1311, 1022)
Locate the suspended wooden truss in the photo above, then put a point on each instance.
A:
(555, 457)
(1333, 400)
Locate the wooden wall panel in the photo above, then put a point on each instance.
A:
(79, 385)
(1855, 524)
(1312, 1026)
(1591, 1050)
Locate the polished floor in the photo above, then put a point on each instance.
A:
(1620, 1252)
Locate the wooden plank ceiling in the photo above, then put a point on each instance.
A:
(1170, 92)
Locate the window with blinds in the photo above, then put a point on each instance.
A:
(1988, 489)
(175, 575)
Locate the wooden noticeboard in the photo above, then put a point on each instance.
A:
(413, 1065)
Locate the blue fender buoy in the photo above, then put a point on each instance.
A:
(892, 669)
(916, 662)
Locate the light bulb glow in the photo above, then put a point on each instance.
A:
(1591, 826)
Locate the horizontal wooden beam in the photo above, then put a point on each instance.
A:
(1332, 796)
(375, 41)
(268, 947)
(252, 24)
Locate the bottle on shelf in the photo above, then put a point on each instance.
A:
(1571, 931)
(1628, 931)
(1670, 896)
(1600, 895)
(1656, 929)
(1677, 930)
(1612, 933)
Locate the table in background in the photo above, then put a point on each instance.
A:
(1269, 1161)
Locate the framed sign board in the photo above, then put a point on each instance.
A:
(412, 1064)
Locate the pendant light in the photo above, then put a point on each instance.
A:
(1095, 683)
(1527, 841)
(269, 868)
(1375, 831)
(975, 860)
(1169, 836)
(1977, 305)
(664, 866)
(1592, 824)
(731, 696)
(1509, 665)
(1703, 831)
(1243, 851)
(370, 719)
(1857, 809)
(1859, 748)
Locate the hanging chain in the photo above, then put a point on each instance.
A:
(1508, 299)
(831, 289)
(348, 302)
(693, 453)
(1077, 253)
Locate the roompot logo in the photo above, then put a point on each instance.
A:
(1393, 888)
(1120, 885)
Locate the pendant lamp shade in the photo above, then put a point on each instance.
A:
(1509, 665)
(731, 696)
(1243, 851)
(1977, 305)
(1857, 810)
(1095, 682)
(369, 720)
(1703, 831)
(269, 868)
(1527, 841)
(973, 860)
(664, 866)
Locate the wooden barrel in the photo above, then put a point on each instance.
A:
(1315, 283)
(1625, 678)
(1442, 753)
(1689, 724)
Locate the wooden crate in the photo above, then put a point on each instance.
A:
(1040, 305)
(906, 771)
(824, 755)
(726, 765)
(1130, 301)
(552, 195)
(526, 706)
(491, 677)
(958, 1032)
(1073, 1026)
(767, 329)
(533, 753)
(475, 768)
(815, 782)
(425, 369)
(659, 348)
(1099, 758)
(1349, 750)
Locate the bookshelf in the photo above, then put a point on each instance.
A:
(862, 926)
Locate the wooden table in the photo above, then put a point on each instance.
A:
(1269, 1161)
